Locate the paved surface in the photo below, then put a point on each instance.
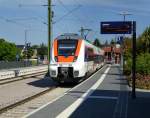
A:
(24, 109)
(16, 91)
(104, 95)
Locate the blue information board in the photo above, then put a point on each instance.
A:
(116, 27)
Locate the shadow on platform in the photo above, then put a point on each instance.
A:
(112, 104)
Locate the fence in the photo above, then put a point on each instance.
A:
(18, 64)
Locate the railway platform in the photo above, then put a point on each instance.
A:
(104, 95)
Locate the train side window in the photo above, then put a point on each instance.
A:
(86, 55)
(89, 54)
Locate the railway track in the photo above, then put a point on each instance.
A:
(26, 105)
(35, 94)
(26, 100)
(23, 89)
(24, 108)
(10, 80)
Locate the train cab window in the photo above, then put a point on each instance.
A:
(67, 47)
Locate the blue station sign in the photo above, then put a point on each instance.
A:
(116, 27)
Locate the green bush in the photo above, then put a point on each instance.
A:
(34, 62)
(142, 65)
(128, 66)
(142, 71)
(8, 51)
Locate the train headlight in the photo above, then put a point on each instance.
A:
(53, 72)
(75, 59)
(56, 59)
(76, 73)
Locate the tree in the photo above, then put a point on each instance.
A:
(143, 53)
(140, 46)
(28, 52)
(127, 43)
(42, 50)
(112, 42)
(145, 40)
(106, 43)
(97, 42)
(8, 50)
(35, 46)
(127, 48)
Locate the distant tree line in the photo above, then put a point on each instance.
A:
(8, 51)
(98, 43)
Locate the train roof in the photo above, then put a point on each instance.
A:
(69, 36)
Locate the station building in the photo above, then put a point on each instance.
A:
(112, 53)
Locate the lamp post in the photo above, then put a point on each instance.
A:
(124, 14)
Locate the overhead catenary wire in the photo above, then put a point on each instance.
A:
(37, 16)
(24, 18)
(77, 17)
(62, 17)
(12, 21)
(33, 5)
(70, 12)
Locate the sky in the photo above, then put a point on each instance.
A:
(18, 16)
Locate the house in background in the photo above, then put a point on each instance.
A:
(112, 53)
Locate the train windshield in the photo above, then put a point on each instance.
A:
(67, 47)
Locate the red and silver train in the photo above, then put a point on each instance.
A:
(72, 58)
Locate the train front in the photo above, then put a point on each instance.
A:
(65, 61)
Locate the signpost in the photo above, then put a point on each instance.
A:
(125, 27)
(116, 27)
(133, 60)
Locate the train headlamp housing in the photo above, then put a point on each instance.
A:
(75, 58)
(56, 58)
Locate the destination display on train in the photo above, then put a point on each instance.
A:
(116, 27)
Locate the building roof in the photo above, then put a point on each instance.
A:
(107, 49)
(114, 49)
(20, 46)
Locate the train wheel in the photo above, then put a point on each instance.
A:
(85, 77)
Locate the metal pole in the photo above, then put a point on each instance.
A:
(82, 32)
(134, 60)
(25, 47)
(49, 33)
(124, 14)
(124, 17)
